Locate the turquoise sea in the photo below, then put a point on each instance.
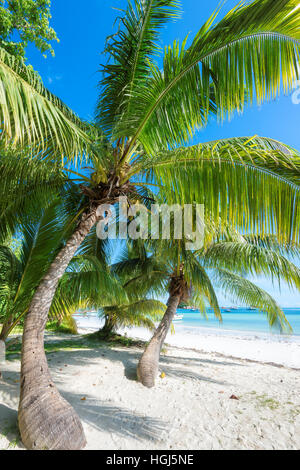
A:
(241, 319)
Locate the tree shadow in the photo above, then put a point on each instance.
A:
(116, 420)
(130, 359)
(187, 374)
(9, 426)
(9, 387)
(99, 414)
(198, 361)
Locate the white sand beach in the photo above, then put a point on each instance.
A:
(277, 350)
(255, 346)
(191, 408)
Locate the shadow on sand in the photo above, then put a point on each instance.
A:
(98, 414)
(9, 425)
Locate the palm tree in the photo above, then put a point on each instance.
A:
(141, 279)
(225, 262)
(93, 282)
(23, 267)
(140, 312)
(136, 310)
(25, 260)
(144, 114)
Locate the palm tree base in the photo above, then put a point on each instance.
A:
(148, 366)
(48, 422)
(146, 379)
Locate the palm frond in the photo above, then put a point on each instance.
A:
(31, 115)
(250, 259)
(250, 52)
(270, 242)
(10, 274)
(142, 313)
(27, 185)
(251, 184)
(244, 291)
(201, 285)
(129, 52)
(265, 154)
(89, 284)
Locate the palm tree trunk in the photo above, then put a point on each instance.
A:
(2, 355)
(3, 337)
(46, 420)
(109, 326)
(5, 330)
(149, 362)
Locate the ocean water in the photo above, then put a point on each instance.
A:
(235, 322)
(242, 320)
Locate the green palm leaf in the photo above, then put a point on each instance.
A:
(250, 183)
(31, 115)
(244, 291)
(251, 52)
(142, 313)
(129, 53)
(10, 274)
(247, 258)
(202, 287)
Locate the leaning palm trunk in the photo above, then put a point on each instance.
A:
(5, 330)
(109, 326)
(3, 337)
(46, 420)
(149, 363)
(2, 355)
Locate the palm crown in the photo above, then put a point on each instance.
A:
(23, 266)
(226, 260)
(146, 112)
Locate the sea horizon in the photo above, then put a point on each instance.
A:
(239, 320)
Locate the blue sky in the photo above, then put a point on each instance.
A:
(73, 75)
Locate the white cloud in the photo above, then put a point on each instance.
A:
(55, 78)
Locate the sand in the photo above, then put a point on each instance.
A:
(263, 347)
(189, 409)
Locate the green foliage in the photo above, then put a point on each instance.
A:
(226, 261)
(29, 21)
(29, 184)
(75, 343)
(13, 350)
(130, 52)
(249, 53)
(41, 237)
(65, 327)
(250, 183)
(113, 339)
(32, 116)
(10, 275)
(232, 259)
(91, 283)
(146, 115)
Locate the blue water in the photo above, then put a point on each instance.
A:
(239, 320)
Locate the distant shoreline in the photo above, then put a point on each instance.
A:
(279, 350)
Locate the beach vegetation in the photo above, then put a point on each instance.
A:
(23, 22)
(226, 262)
